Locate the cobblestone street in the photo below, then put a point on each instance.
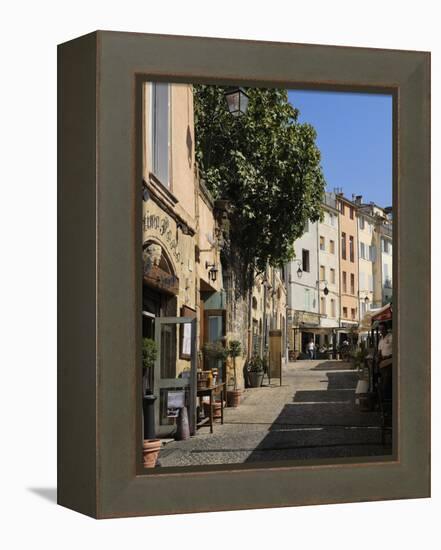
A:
(312, 415)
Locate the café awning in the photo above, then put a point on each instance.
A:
(383, 314)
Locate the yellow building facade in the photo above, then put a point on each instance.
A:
(348, 262)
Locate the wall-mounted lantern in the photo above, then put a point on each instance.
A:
(212, 273)
(237, 101)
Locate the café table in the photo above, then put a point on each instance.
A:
(211, 391)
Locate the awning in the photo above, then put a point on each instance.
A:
(383, 314)
(366, 322)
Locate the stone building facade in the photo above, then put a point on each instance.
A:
(382, 259)
(181, 254)
(328, 271)
(349, 301)
(184, 231)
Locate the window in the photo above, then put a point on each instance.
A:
(332, 307)
(372, 253)
(305, 260)
(322, 243)
(322, 273)
(351, 212)
(345, 282)
(387, 249)
(353, 313)
(362, 251)
(352, 283)
(307, 300)
(332, 275)
(332, 219)
(160, 131)
(371, 283)
(361, 222)
(306, 228)
(387, 281)
(332, 247)
(343, 246)
(323, 305)
(345, 312)
(351, 248)
(342, 208)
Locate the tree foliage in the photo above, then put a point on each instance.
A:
(266, 164)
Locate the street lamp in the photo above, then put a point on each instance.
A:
(237, 100)
(299, 272)
(326, 289)
(212, 274)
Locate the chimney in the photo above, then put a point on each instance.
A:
(358, 199)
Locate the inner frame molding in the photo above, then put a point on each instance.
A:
(99, 263)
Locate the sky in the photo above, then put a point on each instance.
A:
(354, 135)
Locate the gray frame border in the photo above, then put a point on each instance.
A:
(99, 213)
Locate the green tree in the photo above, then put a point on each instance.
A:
(267, 165)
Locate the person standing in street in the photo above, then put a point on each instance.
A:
(385, 360)
(310, 348)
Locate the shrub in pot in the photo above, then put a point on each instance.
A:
(151, 445)
(256, 371)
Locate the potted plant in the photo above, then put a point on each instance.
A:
(359, 357)
(233, 395)
(215, 351)
(256, 371)
(151, 445)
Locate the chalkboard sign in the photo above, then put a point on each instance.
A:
(175, 401)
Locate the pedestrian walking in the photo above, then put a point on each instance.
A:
(310, 348)
(385, 360)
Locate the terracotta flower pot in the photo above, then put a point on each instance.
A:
(233, 398)
(150, 452)
(216, 410)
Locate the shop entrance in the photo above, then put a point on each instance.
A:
(306, 338)
(214, 332)
(174, 387)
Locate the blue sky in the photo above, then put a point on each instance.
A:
(354, 135)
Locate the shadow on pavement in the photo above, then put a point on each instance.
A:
(333, 365)
(323, 424)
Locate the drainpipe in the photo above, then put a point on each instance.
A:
(288, 290)
(339, 271)
(249, 325)
(264, 315)
(318, 282)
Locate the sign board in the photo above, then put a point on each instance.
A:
(186, 339)
(175, 402)
(185, 333)
(159, 279)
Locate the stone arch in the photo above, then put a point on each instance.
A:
(156, 254)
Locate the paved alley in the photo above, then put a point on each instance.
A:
(311, 416)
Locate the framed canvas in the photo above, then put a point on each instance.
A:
(102, 190)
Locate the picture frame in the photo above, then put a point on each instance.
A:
(99, 210)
